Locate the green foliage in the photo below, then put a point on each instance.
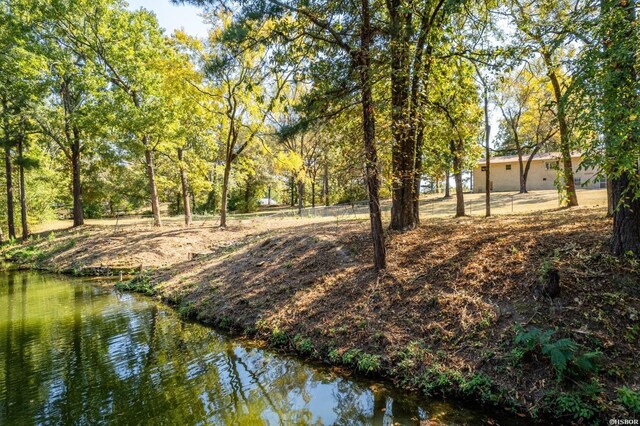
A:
(368, 363)
(362, 361)
(565, 355)
(187, 310)
(25, 254)
(139, 284)
(303, 345)
(334, 356)
(547, 265)
(279, 338)
(583, 403)
(630, 399)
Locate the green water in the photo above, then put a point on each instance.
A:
(75, 352)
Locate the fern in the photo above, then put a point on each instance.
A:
(564, 354)
(560, 352)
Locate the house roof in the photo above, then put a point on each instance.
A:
(547, 156)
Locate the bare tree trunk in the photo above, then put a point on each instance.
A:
(487, 154)
(78, 211)
(23, 191)
(291, 186)
(363, 62)
(185, 188)
(7, 163)
(153, 189)
(10, 210)
(447, 185)
(313, 194)
(325, 183)
(610, 202)
(527, 166)
(417, 179)
(225, 190)
(459, 194)
(457, 175)
(523, 182)
(565, 145)
(300, 197)
(626, 218)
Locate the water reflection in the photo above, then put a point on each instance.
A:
(76, 353)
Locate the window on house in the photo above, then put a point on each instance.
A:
(552, 165)
(577, 181)
(508, 167)
(484, 168)
(603, 182)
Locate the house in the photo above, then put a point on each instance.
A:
(505, 174)
(267, 202)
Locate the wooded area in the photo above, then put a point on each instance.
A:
(310, 102)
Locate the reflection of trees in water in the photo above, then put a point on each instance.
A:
(95, 358)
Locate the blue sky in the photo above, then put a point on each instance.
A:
(171, 17)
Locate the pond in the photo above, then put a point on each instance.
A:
(76, 352)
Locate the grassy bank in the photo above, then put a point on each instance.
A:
(463, 309)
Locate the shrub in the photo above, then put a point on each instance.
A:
(302, 345)
(368, 363)
(630, 399)
(278, 338)
(565, 355)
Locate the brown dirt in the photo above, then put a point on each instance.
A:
(455, 287)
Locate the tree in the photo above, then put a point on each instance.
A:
(247, 91)
(546, 29)
(347, 48)
(610, 85)
(454, 100)
(528, 123)
(129, 50)
(20, 90)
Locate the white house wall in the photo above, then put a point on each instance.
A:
(539, 178)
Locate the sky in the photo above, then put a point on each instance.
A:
(171, 17)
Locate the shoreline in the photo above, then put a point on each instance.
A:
(312, 294)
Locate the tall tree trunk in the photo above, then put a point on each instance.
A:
(527, 167)
(325, 183)
(447, 185)
(10, 210)
(626, 217)
(621, 100)
(313, 194)
(403, 147)
(523, 182)
(7, 163)
(78, 211)
(225, 191)
(457, 176)
(487, 155)
(23, 191)
(300, 196)
(185, 188)
(565, 144)
(153, 189)
(610, 203)
(459, 194)
(417, 180)
(363, 62)
(291, 185)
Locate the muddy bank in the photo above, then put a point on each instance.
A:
(463, 309)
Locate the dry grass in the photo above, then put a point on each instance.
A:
(457, 285)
